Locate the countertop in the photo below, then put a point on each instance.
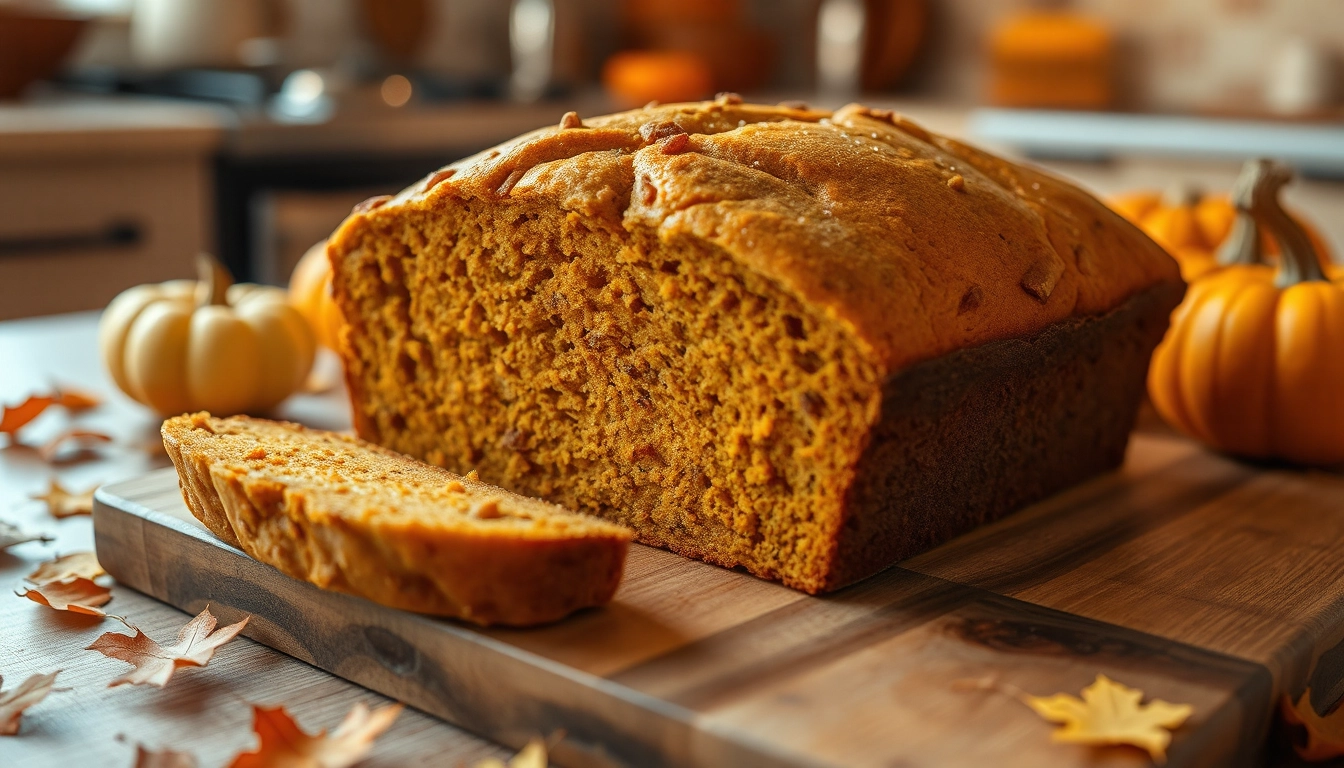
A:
(203, 711)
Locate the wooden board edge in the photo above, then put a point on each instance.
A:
(481, 684)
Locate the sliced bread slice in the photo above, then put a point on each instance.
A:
(350, 516)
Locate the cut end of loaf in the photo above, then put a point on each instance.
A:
(685, 318)
(346, 515)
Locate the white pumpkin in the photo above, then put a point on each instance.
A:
(207, 345)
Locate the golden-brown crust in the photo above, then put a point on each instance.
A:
(683, 318)
(280, 510)
(921, 244)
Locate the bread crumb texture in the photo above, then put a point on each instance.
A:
(346, 515)
(681, 318)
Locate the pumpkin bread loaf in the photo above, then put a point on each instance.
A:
(346, 515)
(804, 343)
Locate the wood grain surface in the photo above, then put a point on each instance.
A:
(1196, 578)
(202, 711)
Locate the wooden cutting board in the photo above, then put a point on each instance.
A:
(1193, 577)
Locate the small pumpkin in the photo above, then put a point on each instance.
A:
(1192, 225)
(1252, 362)
(310, 293)
(188, 345)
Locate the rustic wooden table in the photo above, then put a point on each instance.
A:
(202, 711)
(1281, 613)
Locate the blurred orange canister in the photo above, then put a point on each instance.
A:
(634, 78)
(1052, 60)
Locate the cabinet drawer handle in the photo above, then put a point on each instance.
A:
(118, 234)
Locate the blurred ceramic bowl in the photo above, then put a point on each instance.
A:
(33, 43)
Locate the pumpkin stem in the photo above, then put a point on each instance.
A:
(215, 279)
(1256, 198)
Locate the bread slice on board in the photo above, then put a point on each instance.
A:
(347, 515)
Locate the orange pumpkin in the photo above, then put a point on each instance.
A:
(310, 293)
(1252, 362)
(1191, 226)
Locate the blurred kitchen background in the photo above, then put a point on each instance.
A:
(136, 133)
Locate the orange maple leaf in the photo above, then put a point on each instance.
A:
(1325, 735)
(13, 418)
(76, 595)
(83, 564)
(82, 437)
(62, 503)
(163, 758)
(74, 400)
(13, 703)
(284, 745)
(154, 664)
(11, 535)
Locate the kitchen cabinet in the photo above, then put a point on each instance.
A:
(98, 196)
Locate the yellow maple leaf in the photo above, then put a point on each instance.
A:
(1111, 714)
(67, 567)
(62, 503)
(1325, 735)
(531, 756)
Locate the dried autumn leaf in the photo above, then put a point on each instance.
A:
(11, 535)
(154, 665)
(284, 745)
(76, 595)
(76, 401)
(13, 703)
(12, 419)
(1111, 714)
(81, 437)
(1325, 735)
(531, 756)
(82, 564)
(163, 758)
(62, 503)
